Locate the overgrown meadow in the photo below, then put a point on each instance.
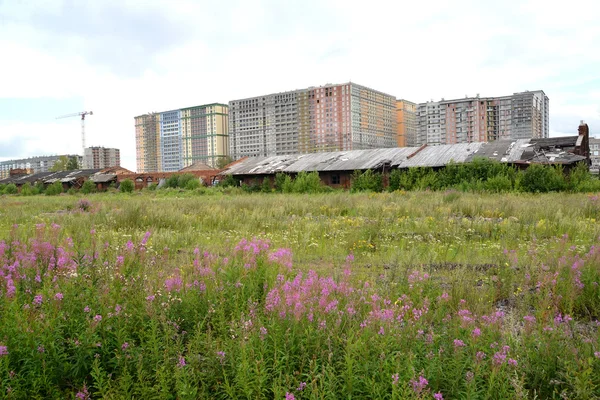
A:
(418, 295)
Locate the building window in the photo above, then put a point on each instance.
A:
(335, 179)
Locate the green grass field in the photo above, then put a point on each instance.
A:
(404, 295)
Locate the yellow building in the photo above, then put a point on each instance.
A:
(171, 140)
(406, 112)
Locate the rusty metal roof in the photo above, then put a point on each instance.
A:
(543, 151)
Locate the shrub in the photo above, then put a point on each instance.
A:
(498, 184)
(2, 187)
(279, 181)
(71, 191)
(88, 187)
(40, 187)
(229, 181)
(192, 184)
(11, 188)
(182, 180)
(28, 190)
(540, 179)
(288, 184)
(55, 189)
(127, 186)
(308, 182)
(171, 182)
(152, 187)
(367, 181)
(253, 187)
(266, 186)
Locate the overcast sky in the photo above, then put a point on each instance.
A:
(124, 58)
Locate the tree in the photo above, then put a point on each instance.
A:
(72, 164)
(60, 164)
(65, 163)
(223, 162)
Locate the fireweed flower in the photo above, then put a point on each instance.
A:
(419, 385)
(458, 343)
(37, 300)
(3, 351)
(124, 346)
(58, 296)
(476, 332)
(301, 387)
(395, 378)
(181, 363)
(289, 396)
(438, 396)
(98, 318)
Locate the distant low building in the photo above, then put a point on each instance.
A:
(33, 164)
(336, 168)
(101, 157)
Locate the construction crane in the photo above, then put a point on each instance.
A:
(82, 115)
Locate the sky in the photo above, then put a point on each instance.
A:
(123, 58)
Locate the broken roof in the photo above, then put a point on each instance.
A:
(542, 151)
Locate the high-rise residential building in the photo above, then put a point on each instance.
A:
(171, 140)
(101, 157)
(33, 164)
(407, 123)
(595, 154)
(147, 143)
(482, 119)
(327, 118)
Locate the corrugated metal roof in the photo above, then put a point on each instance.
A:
(509, 151)
(438, 156)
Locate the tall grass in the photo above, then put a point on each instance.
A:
(395, 295)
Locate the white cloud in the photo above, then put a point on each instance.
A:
(203, 52)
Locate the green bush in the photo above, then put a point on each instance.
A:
(498, 184)
(88, 187)
(2, 187)
(182, 180)
(26, 189)
(279, 181)
(72, 191)
(11, 188)
(192, 184)
(55, 189)
(253, 187)
(172, 182)
(152, 187)
(40, 187)
(126, 186)
(287, 185)
(229, 181)
(367, 181)
(308, 182)
(266, 186)
(541, 179)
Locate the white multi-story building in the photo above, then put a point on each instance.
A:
(101, 157)
(483, 119)
(33, 164)
(595, 154)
